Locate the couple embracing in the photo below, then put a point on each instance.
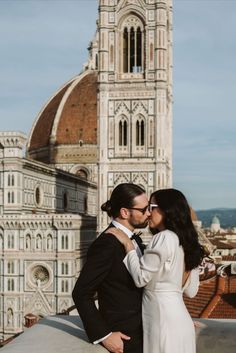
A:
(140, 292)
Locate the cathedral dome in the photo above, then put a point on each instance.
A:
(65, 130)
(215, 220)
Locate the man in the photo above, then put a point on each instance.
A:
(117, 324)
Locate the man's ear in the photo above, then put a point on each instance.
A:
(124, 213)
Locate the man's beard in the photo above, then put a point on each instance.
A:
(140, 225)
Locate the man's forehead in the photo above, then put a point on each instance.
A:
(141, 199)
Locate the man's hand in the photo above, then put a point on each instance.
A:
(114, 343)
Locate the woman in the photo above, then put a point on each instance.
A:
(168, 268)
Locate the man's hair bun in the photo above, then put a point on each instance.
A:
(106, 207)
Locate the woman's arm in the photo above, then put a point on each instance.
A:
(142, 269)
(191, 286)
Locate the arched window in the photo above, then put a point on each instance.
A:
(10, 267)
(85, 204)
(10, 285)
(64, 242)
(64, 268)
(64, 286)
(123, 133)
(133, 45)
(140, 133)
(65, 201)
(82, 174)
(11, 241)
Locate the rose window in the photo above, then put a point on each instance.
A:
(40, 275)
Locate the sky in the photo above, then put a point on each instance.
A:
(43, 44)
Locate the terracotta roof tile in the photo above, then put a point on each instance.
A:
(42, 130)
(70, 118)
(216, 298)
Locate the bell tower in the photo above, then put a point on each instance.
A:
(134, 95)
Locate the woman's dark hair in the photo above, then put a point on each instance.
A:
(122, 196)
(177, 217)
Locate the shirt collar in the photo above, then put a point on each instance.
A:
(122, 227)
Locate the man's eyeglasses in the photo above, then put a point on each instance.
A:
(148, 208)
(142, 210)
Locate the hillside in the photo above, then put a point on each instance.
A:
(227, 216)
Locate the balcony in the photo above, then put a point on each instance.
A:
(64, 333)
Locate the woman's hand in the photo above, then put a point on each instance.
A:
(122, 237)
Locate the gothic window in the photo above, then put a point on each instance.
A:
(140, 132)
(64, 268)
(123, 132)
(85, 204)
(10, 180)
(133, 45)
(10, 267)
(10, 241)
(65, 201)
(64, 242)
(64, 286)
(10, 285)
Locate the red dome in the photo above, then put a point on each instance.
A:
(69, 118)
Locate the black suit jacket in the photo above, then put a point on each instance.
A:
(119, 299)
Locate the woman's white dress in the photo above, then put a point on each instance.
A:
(167, 325)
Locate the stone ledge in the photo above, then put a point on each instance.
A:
(53, 334)
(66, 334)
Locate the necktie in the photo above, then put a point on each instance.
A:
(139, 241)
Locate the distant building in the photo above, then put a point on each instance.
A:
(47, 221)
(215, 224)
(110, 124)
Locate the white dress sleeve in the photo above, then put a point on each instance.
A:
(191, 286)
(142, 269)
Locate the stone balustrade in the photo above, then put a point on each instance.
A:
(64, 333)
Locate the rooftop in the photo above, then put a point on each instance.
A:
(65, 333)
(216, 297)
